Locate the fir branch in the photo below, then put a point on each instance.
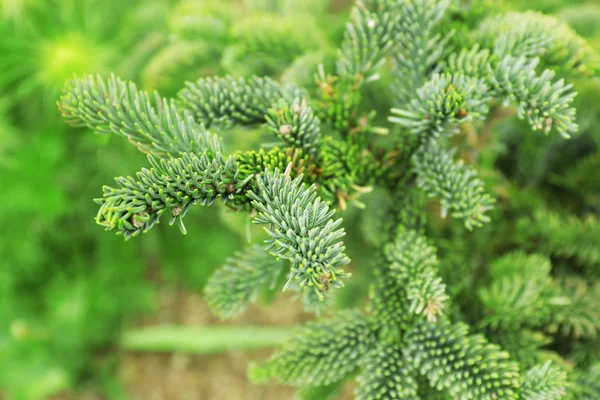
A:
(256, 162)
(368, 38)
(532, 34)
(409, 210)
(515, 301)
(301, 230)
(154, 125)
(456, 185)
(389, 304)
(321, 352)
(175, 184)
(419, 48)
(227, 101)
(566, 236)
(471, 62)
(587, 384)
(524, 345)
(348, 170)
(582, 178)
(544, 382)
(521, 291)
(296, 124)
(413, 263)
(234, 286)
(276, 38)
(543, 103)
(579, 317)
(478, 370)
(441, 104)
(386, 376)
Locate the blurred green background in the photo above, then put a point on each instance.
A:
(67, 288)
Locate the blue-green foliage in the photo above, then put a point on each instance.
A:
(447, 133)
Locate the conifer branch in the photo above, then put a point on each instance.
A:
(234, 286)
(544, 382)
(532, 34)
(587, 384)
(389, 304)
(386, 376)
(543, 103)
(471, 62)
(413, 263)
(566, 236)
(524, 345)
(582, 177)
(174, 185)
(456, 185)
(347, 169)
(227, 101)
(256, 162)
(368, 38)
(521, 292)
(404, 347)
(301, 230)
(296, 124)
(419, 47)
(441, 104)
(153, 124)
(321, 352)
(478, 370)
(579, 317)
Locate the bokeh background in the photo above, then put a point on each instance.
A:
(68, 290)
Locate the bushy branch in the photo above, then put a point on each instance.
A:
(256, 162)
(227, 101)
(546, 105)
(175, 185)
(368, 38)
(386, 376)
(320, 353)
(237, 284)
(389, 304)
(532, 34)
(296, 125)
(478, 370)
(456, 185)
(579, 316)
(521, 291)
(566, 236)
(419, 47)
(413, 263)
(441, 104)
(301, 230)
(151, 123)
(544, 382)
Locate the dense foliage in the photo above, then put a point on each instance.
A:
(425, 173)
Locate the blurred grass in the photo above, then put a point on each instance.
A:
(203, 340)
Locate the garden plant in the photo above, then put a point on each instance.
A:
(427, 186)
